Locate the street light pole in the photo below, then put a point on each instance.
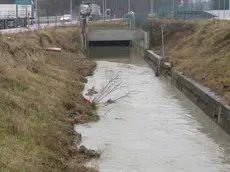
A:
(151, 6)
(219, 10)
(71, 9)
(36, 17)
(128, 5)
(224, 9)
(173, 8)
(103, 9)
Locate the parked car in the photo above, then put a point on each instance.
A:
(65, 18)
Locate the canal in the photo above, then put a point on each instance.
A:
(154, 127)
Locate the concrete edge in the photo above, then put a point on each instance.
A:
(107, 28)
(211, 104)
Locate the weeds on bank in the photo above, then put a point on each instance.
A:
(199, 49)
(35, 134)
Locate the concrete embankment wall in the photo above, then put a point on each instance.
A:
(114, 34)
(140, 46)
(199, 95)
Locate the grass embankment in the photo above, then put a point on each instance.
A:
(199, 49)
(109, 24)
(37, 90)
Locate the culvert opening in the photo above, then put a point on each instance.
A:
(109, 43)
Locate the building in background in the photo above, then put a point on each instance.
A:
(16, 13)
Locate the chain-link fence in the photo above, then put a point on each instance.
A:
(187, 9)
(38, 13)
(42, 23)
(196, 10)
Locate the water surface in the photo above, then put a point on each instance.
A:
(154, 129)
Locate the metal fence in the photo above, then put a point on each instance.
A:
(38, 26)
(26, 22)
(198, 10)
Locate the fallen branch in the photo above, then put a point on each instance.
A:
(114, 84)
(119, 98)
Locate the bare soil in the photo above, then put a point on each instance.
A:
(38, 89)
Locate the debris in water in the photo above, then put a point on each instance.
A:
(87, 100)
(90, 153)
(73, 115)
(118, 118)
(110, 101)
(91, 92)
(53, 49)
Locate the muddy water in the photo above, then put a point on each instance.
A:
(155, 128)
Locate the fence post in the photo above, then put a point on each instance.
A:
(162, 38)
(56, 20)
(38, 22)
(28, 21)
(47, 18)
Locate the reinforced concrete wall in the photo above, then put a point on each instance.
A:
(142, 45)
(207, 101)
(114, 34)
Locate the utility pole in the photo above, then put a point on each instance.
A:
(105, 9)
(151, 6)
(71, 10)
(129, 6)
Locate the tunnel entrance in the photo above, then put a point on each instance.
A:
(109, 43)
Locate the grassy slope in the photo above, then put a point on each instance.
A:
(37, 90)
(200, 50)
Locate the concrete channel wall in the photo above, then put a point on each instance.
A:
(140, 46)
(113, 34)
(209, 103)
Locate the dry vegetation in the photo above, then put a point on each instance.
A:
(109, 23)
(37, 90)
(199, 49)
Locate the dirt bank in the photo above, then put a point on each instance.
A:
(199, 49)
(37, 90)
